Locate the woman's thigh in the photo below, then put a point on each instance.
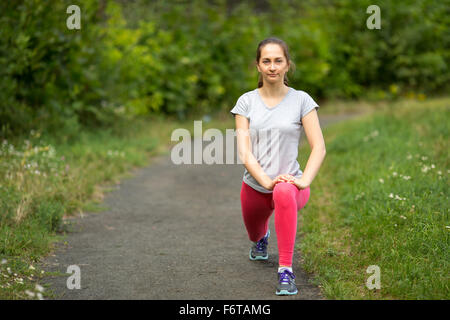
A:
(255, 203)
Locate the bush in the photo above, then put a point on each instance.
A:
(132, 59)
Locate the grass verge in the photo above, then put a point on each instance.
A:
(45, 179)
(381, 198)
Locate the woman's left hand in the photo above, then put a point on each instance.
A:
(301, 183)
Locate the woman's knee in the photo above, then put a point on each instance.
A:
(284, 192)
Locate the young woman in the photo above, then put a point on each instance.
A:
(268, 123)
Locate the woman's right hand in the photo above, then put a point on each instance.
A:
(269, 184)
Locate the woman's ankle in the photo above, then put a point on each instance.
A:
(280, 268)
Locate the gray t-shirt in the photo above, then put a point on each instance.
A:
(274, 132)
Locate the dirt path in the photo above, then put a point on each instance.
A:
(171, 232)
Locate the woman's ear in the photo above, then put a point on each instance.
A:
(257, 66)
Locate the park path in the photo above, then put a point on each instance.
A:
(171, 232)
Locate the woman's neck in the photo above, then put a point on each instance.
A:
(274, 90)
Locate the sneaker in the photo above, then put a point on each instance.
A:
(286, 283)
(259, 250)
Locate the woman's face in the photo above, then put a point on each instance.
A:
(273, 64)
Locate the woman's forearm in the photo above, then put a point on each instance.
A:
(255, 169)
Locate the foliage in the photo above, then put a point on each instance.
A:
(49, 73)
(190, 58)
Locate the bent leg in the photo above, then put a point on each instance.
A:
(256, 211)
(288, 199)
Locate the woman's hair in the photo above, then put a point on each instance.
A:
(285, 48)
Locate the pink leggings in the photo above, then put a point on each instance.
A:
(257, 207)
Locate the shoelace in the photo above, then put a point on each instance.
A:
(286, 276)
(261, 244)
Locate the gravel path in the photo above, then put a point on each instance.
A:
(171, 232)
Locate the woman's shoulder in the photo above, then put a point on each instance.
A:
(248, 96)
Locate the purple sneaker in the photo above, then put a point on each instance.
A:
(259, 250)
(286, 283)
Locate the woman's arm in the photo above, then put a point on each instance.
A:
(315, 138)
(246, 155)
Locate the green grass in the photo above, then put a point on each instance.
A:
(381, 198)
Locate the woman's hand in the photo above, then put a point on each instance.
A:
(269, 184)
(299, 183)
(284, 178)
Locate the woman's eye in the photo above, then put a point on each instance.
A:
(278, 61)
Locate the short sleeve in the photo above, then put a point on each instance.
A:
(242, 106)
(308, 104)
